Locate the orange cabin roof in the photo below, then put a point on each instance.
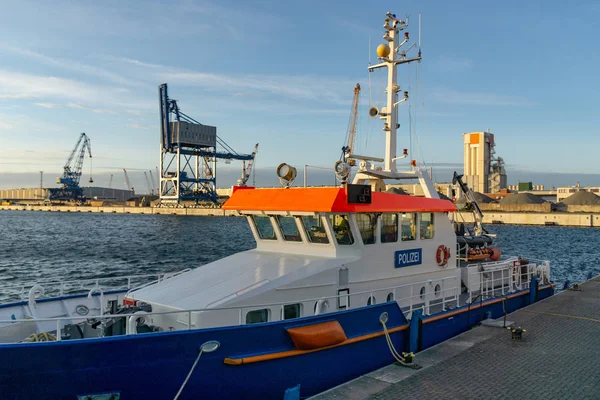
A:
(329, 200)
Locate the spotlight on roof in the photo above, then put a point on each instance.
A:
(286, 174)
(342, 171)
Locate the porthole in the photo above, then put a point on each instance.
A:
(390, 297)
(422, 293)
(371, 301)
(438, 290)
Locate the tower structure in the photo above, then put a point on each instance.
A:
(483, 171)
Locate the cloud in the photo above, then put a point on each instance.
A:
(48, 105)
(4, 125)
(139, 126)
(71, 66)
(479, 98)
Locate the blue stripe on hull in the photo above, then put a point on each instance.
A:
(155, 365)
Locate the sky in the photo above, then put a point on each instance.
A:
(282, 74)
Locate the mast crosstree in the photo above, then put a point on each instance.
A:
(391, 54)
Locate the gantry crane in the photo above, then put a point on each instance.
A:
(70, 189)
(149, 189)
(247, 169)
(127, 183)
(348, 148)
(152, 182)
(188, 156)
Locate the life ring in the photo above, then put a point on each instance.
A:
(441, 255)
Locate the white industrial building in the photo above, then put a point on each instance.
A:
(483, 171)
(40, 194)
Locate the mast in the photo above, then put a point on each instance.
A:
(390, 55)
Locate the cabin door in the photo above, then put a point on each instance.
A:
(343, 293)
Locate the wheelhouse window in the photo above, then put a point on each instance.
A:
(341, 228)
(257, 316)
(389, 228)
(367, 223)
(426, 226)
(291, 311)
(264, 227)
(289, 229)
(315, 231)
(409, 226)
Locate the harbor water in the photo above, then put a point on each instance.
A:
(68, 246)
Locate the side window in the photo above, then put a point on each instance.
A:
(257, 316)
(426, 225)
(341, 228)
(289, 229)
(291, 311)
(367, 223)
(264, 227)
(314, 229)
(409, 226)
(389, 228)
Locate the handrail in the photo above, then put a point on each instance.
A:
(62, 286)
(253, 306)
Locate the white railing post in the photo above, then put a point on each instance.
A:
(240, 316)
(58, 335)
(189, 313)
(411, 299)
(443, 294)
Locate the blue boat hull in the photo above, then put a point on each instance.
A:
(155, 365)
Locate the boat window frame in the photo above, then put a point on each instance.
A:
(431, 224)
(415, 225)
(299, 308)
(281, 231)
(321, 223)
(257, 229)
(383, 226)
(373, 228)
(330, 220)
(268, 310)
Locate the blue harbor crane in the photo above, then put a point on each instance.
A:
(188, 157)
(70, 189)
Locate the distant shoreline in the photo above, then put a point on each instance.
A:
(578, 219)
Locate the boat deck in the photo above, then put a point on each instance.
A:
(557, 357)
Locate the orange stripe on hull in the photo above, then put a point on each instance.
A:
(293, 353)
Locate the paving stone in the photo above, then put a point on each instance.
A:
(558, 358)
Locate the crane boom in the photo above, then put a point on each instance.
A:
(247, 169)
(152, 181)
(127, 183)
(348, 149)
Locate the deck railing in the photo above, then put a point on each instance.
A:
(447, 295)
(497, 279)
(20, 292)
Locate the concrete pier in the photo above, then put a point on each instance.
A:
(126, 210)
(558, 357)
(509, 218)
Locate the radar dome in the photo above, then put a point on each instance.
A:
(383, 50)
